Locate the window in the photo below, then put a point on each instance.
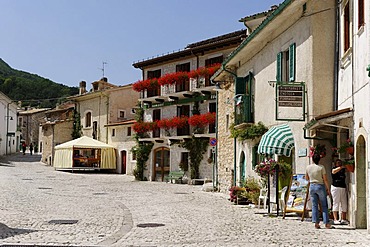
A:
(154, 74)
(184, 159)
(113, 132)
(183, 67)
(212, 127)
(88, 120)
(184, 84)
(227, 123)
(129, 131)
(346, 28)
(244, 99)
(214, 60)
(156, 117)
(285, 70)
(361, 19)
(121, 114)
(133, 156)
(151, 75)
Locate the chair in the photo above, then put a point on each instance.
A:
(282, 198)
(263, 197)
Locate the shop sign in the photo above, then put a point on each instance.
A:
(290, 98)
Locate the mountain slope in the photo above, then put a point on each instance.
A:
(31, 89)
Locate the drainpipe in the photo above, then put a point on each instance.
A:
(336, 56)
(7, 128)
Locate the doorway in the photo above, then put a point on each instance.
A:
(361, 170)
(242, 168)
(161, 163)
(123, 162)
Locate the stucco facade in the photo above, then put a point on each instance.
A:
(310, 27)
(104, 113)
(9, 136)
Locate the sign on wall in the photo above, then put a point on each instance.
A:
(290, 101)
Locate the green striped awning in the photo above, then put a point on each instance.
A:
(277, 140)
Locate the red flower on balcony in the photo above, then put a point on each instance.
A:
(204, 71)
(175, 122)
(172, 78)
(145, 84)
(142, 127)
(202, 120)
(179, 122)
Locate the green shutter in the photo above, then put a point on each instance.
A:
(240, 85)
(292, 62)
(278, 66)
(254, 156)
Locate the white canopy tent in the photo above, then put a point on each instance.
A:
(63, 158)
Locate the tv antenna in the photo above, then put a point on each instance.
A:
(103, 69)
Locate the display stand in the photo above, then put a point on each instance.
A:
(297, 196)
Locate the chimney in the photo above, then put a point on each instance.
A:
(104, 79)
(82, 87)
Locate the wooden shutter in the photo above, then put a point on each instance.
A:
(240, 87)
(292, 62)
(278, 66)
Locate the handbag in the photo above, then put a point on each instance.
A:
(328, 198)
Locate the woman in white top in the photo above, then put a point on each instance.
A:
(319, 189)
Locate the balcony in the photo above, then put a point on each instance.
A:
(177, 128)
(243, 111)
(175, 86)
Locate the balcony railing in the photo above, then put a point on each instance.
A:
(243, 112)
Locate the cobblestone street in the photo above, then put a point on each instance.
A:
(41, 206)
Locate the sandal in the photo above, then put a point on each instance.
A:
(328, 226)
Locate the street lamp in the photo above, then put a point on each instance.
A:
(7, 128)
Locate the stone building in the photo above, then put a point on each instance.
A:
(105, 112)
(56, 128)
(174, 89)
(29, 122)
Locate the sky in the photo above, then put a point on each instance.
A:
(68, 41)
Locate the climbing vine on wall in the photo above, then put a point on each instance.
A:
(76, 133)
(197, 147)
(141, 150)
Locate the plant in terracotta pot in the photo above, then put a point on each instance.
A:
(350, 165)
(346, 147)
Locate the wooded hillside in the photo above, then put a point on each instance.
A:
(31, 89)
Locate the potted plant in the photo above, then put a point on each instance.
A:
(319, 148)
(350, 165)
(347, 147)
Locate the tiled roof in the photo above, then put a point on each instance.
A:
(264, 13)
(234, 38)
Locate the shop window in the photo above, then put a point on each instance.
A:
(361, 13)
(88, 120)
(286, 64)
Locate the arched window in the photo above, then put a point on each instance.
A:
(88, 120)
